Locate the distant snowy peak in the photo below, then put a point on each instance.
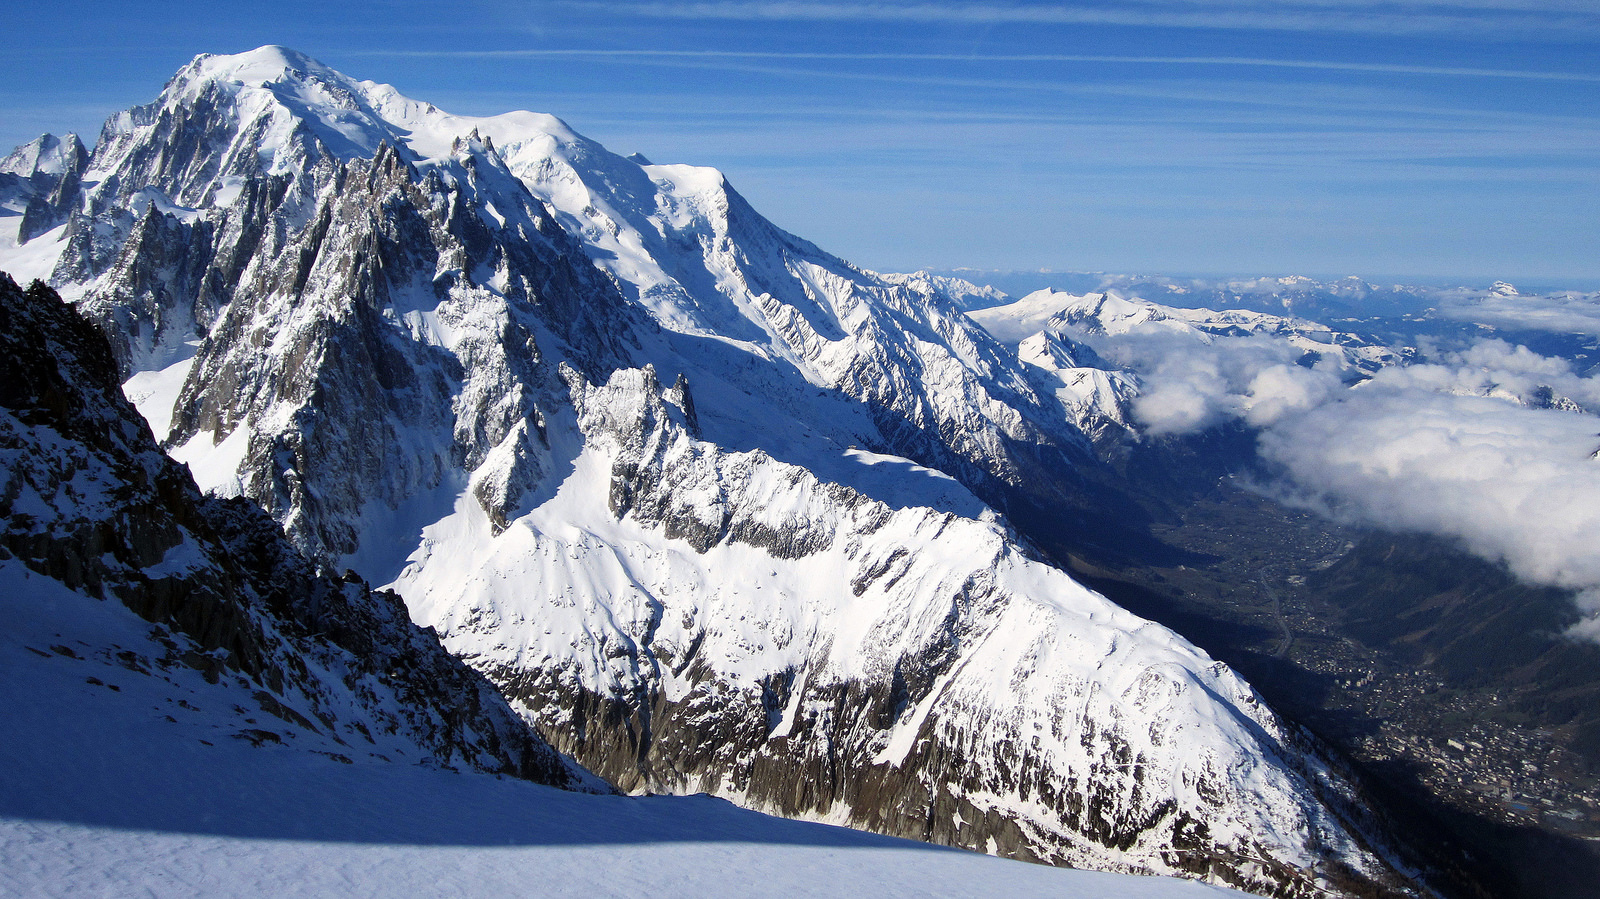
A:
(1054, 331)
(1091, 314)
(1110, 315)
(1097, 396)
(1012, 322)
(963, 294)
(46, 155)
(39, 184)
(1292, 294)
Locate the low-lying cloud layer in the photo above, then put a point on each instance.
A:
(1191, 384)
(1517, 484)
(1493, 444)
(1562, 313)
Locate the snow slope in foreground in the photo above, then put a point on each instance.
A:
(117, 782)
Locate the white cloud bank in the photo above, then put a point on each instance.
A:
(1561, 313)
(1494, 444)
(1190, 385)
(1517, 484)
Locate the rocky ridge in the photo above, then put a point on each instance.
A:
(40, 182)
(90, 501)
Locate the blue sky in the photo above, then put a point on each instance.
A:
(1456, 139)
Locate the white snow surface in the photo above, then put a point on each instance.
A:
(117, 781)
(154, 392)
(31, 261)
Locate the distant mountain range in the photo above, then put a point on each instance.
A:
(1347, 297)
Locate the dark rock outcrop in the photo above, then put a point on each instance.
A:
(88, 499)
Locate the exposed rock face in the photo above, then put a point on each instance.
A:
(429, 347)
(88, 499)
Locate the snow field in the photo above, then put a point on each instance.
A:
(116, 782)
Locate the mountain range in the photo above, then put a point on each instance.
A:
(691, 504)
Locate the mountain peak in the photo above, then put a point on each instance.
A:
(350, 116)
(46, 154)
(263, 65)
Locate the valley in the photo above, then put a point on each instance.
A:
(1470, 753)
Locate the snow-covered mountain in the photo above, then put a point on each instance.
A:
(712, 507)
(1102, 354)
(1292, 295)
(93, 506)
(210, 744)
(1063, 337)
(39, 183)
(1097, 396)
(1111, 314)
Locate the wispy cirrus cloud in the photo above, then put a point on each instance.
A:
(734, 56)
(1559, 20)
